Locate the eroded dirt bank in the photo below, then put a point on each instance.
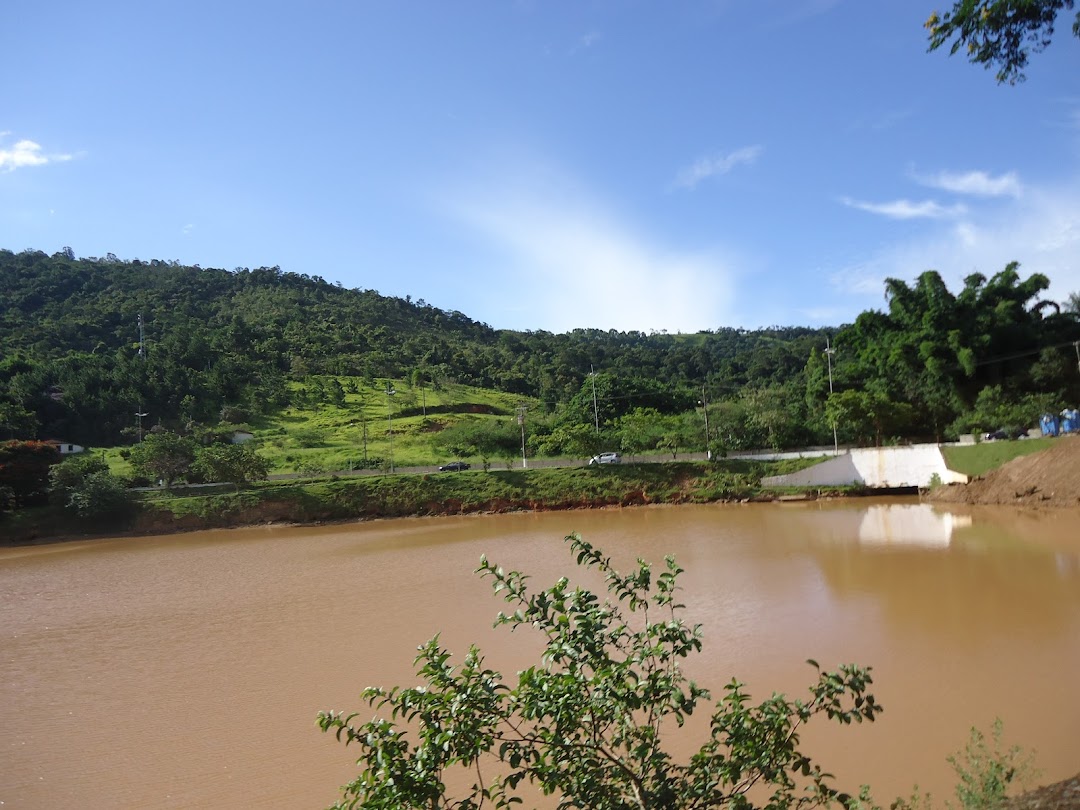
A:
(1048, 479)
(1063, 795)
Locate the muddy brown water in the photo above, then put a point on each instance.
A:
(186, 671)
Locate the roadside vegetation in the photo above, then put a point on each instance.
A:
(357, 497)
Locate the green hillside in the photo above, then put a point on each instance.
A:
(87, 344)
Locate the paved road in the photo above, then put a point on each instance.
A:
(533, 464)
(539, 463)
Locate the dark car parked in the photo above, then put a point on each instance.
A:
(454, 466)
(998, 435)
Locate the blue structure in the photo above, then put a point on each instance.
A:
(1070, 420)
(1049, 424)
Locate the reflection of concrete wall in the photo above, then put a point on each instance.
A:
(876, 467)
(910, 524)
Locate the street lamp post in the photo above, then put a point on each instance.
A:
(829, 352)
(140, 414)
(521, 421)
(390, 422)
(595, 410)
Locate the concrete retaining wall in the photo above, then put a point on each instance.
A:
(913, 466)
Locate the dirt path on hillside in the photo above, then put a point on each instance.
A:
(1047, 479)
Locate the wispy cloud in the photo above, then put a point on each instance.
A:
(976, 183)
(588, 40)
(187, 229)
(707, 167)
(1041, 230)
(563, 260)
(25, 153)
(907, 209)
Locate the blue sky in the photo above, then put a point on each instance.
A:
(538, 164)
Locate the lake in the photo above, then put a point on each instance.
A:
(185, 671)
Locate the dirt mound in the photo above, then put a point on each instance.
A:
(1064, 795)
(1050, 478)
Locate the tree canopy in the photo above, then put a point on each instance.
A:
(999, 33)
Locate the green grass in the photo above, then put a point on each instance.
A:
(356, 435)
(332, 437)
(978, 459)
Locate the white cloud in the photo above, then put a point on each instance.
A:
(187, 228)
(1041, 230)
(707, 167)
(563, 261)
(584, 42)
(587, 40)
(25, 153)
(906, 209)
(977, 183)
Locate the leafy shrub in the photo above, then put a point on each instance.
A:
(83, 485)
(986, 772)
(586, 723)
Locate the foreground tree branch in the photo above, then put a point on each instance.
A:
(585, 725)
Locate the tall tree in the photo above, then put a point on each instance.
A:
(164, 456)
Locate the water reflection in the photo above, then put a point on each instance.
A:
(909, 524)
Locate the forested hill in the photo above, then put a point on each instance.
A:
(71, 366)
(934, 364)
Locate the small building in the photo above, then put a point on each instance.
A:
(65, 448)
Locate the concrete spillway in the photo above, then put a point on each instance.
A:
(884, 467)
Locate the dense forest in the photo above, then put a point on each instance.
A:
(87, 343)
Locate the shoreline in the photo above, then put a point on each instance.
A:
(340, 501)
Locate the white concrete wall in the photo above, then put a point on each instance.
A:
(913, 466)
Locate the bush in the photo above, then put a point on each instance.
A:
(586, 723)
(986, 772)
(84, 486)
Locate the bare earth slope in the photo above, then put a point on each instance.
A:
(1050, 478)
(1064, 795)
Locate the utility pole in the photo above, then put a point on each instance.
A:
(829, 351)
(363, 415)
(596, 412)
(705, 410)
(390, 422)
(521, 421)
(142, 355)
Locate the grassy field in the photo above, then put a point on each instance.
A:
(978, 459)
(356, 434)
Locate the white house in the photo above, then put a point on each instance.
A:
(65, 448)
